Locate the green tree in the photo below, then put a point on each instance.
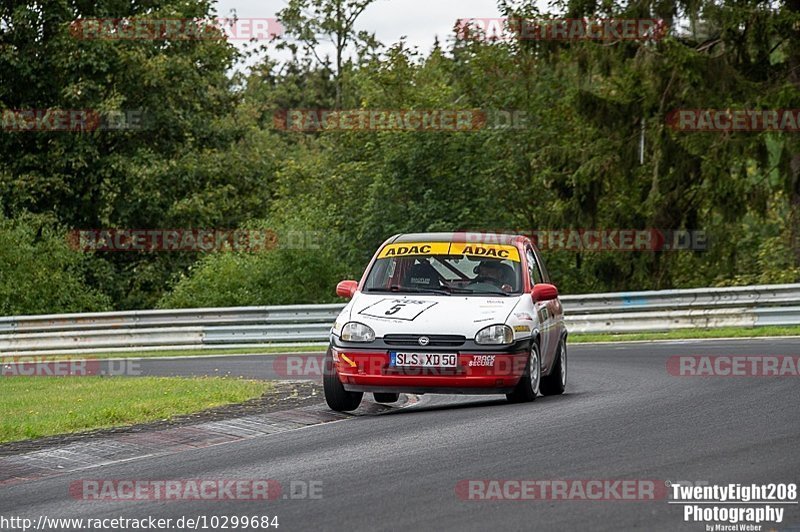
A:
(41, 273)
(311, 22)
(199, 159)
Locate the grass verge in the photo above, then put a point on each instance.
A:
(688, 334)
(33, 407)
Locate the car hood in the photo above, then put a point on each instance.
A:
(425, 314)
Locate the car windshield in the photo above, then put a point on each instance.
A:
(446, 268)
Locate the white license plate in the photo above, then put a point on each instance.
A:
(424, 360)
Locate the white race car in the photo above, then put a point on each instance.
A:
(448, 313)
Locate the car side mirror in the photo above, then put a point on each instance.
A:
(544, 292)
(346, 289)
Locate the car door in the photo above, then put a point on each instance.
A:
(556, 309)
(547, 311)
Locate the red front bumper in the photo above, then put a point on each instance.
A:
(370, 371)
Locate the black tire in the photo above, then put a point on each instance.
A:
(336, 396)
(386, 397)
(528, 388)
(556, 381)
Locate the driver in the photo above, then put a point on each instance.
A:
(490, 270)
(495, 272)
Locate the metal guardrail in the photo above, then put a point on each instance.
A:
(246, 327)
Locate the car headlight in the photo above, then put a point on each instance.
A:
(357, 332)
(495, 335)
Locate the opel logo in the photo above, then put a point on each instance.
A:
(424, 340)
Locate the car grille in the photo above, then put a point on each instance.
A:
(436, 340)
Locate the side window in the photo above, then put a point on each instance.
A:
(533, 268)
(542, 267)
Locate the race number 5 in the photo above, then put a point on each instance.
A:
(395, 309)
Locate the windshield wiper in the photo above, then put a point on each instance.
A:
(459, 290)
(498, 292)
(481, 292)
(401, 289)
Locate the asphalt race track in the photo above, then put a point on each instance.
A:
(623, 417)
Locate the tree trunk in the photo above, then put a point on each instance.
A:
(794, 165)
(794, 206)
(341, 37)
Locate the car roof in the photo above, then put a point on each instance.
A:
(458, 236)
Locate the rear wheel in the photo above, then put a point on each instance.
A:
(386, 397)
(336, 396)
(528, 387)
(556, 382)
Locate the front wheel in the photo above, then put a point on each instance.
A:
(336, 396)
(556, 381)
(528, 386)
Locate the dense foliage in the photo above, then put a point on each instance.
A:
(211, 155)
